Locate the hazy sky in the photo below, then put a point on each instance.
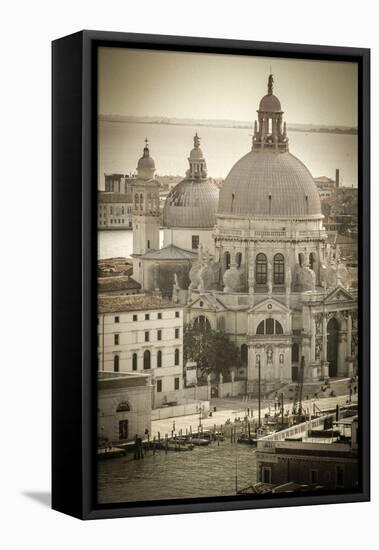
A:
(187, 85)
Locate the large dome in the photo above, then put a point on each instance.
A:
(191, 203)
(269, 183)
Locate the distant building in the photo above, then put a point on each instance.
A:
(117, 183)
(326, 186)
(114, 211)
(124, 406)
(143, 334)
(328, 458)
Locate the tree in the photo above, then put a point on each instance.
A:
(211, 350)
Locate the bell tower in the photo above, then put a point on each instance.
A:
(145, 210)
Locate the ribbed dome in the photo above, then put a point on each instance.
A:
(262, 174)
(191, 203)
(270, 103)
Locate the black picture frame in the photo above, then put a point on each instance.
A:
(74, 152)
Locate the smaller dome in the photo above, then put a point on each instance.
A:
(270, 103)
(146, 164)
(191, 203)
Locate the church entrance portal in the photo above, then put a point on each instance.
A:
(332, 346)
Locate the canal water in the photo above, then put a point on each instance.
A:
(204, 472)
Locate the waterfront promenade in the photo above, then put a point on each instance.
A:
(238, 409)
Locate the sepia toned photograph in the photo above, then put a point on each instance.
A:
(227, 276)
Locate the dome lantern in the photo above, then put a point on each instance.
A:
(197, 164)
(268, 133)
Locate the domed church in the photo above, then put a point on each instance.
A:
(189, 214)
(273, 285)
(189, 219)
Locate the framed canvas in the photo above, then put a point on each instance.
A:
(211, 276)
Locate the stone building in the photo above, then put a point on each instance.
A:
(123, 406)
(155, 268)
(264, 272)
(327, 460)
(114, 211)
(273, 285)
(142, 334)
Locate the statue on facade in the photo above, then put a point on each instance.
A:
(318, 349)
(175, 289)
(269, 353)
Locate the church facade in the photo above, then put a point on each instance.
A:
(264, 272)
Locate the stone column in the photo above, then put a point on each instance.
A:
(341, 354)
(233, 375)
(325, 364)
(313, 339)
(251, 280)
(348, 336)
(349, 364)
(269, 275)
(251, 377)
(221, 386)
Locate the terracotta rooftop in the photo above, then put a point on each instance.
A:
(107, 284)
(134, 302)
(170, 252)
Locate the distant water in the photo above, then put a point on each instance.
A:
(121, 145)
(113, 244)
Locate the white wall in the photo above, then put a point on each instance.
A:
(28, 28)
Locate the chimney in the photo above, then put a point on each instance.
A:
(337, 178)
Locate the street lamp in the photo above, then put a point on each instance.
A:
(259, 390)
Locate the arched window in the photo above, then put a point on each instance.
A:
(146, 359)
(159, 358)
(134, 361)
(244, 354)
(295, 353)
(269, 326)
(116, 363)
(261, 269)
(227, 260)
(278, 269)
(301, 259)
(141, 201)
(202, 322)
(238, 259)
(176, 357)
(312, 261)
(261, 328)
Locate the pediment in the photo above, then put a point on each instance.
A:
(269, 305)
(339, 294)
(208, 301)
